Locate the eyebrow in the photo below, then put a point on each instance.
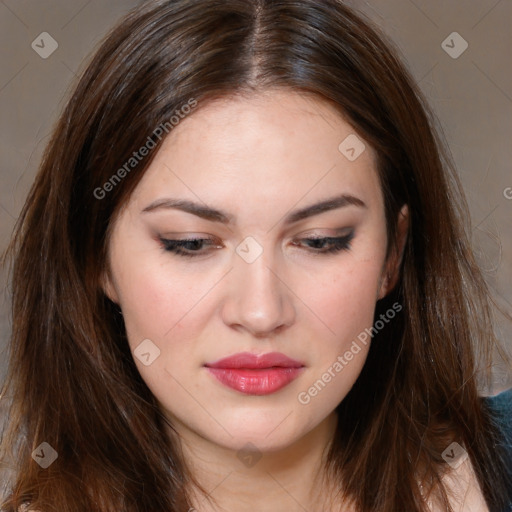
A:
(223, 217)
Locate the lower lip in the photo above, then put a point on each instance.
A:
(255, 382)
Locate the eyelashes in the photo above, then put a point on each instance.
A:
(334, 244)
(191, 247)
(183, 247)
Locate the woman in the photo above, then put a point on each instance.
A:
(241, 280)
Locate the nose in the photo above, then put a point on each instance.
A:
(258, 298)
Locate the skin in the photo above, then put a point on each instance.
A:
(256, 158)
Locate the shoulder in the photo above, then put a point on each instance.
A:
(464, 490)
(461, 482)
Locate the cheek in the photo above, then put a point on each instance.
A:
(155, 299)
(165, 308)
(346, 302)
(345, 297)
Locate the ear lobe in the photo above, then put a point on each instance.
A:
(392, 269)
(108, 287)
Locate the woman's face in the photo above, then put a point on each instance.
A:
(256, 284)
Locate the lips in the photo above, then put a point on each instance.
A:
(255, 375)
(252, 361)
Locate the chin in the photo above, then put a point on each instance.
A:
(258, 442)
(269, 435)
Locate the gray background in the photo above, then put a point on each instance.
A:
(472, 96)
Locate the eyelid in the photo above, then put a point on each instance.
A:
(336, 244)
(310, 233)
(332, 233)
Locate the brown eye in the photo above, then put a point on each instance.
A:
(188, 247)
(329, 245)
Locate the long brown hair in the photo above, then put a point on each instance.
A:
(72, 381)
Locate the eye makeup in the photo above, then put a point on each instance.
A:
(194, 247)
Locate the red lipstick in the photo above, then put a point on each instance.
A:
(255, 375)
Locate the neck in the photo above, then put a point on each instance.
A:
(288, 479)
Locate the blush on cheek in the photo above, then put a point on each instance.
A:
(347, 306)
(149, 302)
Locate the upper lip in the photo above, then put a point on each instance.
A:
(248, 360)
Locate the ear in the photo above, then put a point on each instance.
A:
(108, 287)
(391, 270)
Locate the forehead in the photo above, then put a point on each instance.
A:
(277, 146)
(269, 118)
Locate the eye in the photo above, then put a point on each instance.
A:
(188, 247)
(328, 245)
(193, 247)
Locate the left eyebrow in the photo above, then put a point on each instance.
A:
(216, 215)
(324, 206)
